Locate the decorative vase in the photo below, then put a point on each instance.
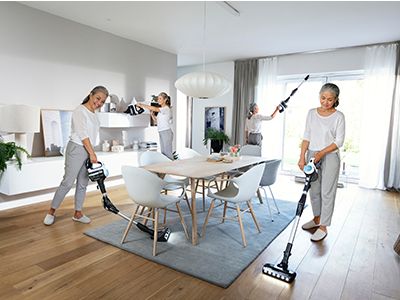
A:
(216, 145)
(235, 154)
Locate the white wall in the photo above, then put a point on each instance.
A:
(53, 63)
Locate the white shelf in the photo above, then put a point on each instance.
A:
(47, 172)
(121, 120)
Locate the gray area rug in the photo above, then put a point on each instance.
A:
(220, 257)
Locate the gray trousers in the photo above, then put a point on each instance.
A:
(75, 157)
(255, 139)
(166, 138)
(323, 190)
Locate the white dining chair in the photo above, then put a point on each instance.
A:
(144, 188)
(240, 189)
(154, 157)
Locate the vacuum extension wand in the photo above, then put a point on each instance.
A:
(281, 271)
(283, 105)
(99, 174)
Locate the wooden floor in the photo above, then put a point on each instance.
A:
(355, 261)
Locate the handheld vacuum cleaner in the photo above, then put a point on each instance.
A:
(98, 173)
(133, 109)
(280, 270)
(283, 105)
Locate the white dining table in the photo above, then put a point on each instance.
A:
(198, 168)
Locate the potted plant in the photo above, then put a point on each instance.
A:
(217, 138)
(8, 150)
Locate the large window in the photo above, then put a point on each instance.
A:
(306, 98)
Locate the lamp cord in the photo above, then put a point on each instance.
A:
(204, 35)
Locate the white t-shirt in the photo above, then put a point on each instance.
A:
(84, 124)
(254, 124)
(322, 131)
(164, 118)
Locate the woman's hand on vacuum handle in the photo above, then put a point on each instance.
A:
(318, 156)
(93, 158)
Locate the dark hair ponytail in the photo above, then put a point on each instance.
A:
(251, 110)
(97, 89)
(166, 97)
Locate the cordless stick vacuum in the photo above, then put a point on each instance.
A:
(133, 109)
(98, 173)
(281, 271)
(283, 105)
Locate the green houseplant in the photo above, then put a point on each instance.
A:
(217, 138)
(8, 150)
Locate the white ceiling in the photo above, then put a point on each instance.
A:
(264, 28)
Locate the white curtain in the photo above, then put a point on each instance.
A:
(380, 66)
(392, 164)
(266, 85)
(268, 96)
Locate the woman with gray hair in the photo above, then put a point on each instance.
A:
(323, 136)
(84, 135)
(253, 124)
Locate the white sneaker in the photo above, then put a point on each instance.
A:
(49, 220)
(84, 219)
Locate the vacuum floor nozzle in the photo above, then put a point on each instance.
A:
(279, 273)
(163, 235)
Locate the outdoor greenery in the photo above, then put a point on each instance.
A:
(8, 150)
(216, 135)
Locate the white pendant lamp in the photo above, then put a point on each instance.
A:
(203, 84)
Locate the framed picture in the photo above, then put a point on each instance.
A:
(56, 131)
(214, 117)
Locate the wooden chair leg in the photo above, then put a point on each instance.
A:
(165, 216)
(148, 214)
(129, 225)
(203, 232)
(136, 210)
(221, 184)
(224, 214)
(155, 231)
(253, 215)
(241, 225)
(178, 208)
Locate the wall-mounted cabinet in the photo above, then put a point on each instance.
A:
(120, 120)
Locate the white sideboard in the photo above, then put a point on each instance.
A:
(120, 120)
(47, 172)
